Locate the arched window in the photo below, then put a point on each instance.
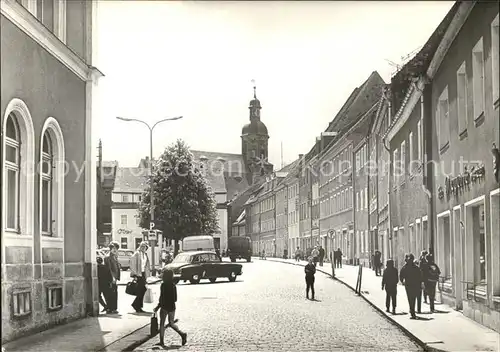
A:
(52, 173)
(12, 172)
(17, 180)
(47, 189)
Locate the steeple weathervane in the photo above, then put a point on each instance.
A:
(254, 89)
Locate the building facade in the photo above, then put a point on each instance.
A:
(292, 183)
(281, 220)
(464, 104)
(48, 83)
(363, 241)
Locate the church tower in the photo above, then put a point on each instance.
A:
(254, 142)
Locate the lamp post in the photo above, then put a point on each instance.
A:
(152, 202)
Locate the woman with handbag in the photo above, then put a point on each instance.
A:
(166, 304)
(140, 271)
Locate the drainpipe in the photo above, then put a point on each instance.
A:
(428, 167)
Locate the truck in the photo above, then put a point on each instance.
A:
(198, 243)
(239, 247)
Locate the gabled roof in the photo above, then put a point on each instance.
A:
(401, 82)
(225, 172)
(131, 179)
(359, 102)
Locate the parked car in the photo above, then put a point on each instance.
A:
(123, 257)
(201, 265)
(239, 247)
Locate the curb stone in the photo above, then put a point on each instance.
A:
(381, 311)
(130, 341)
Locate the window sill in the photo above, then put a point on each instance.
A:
(21, 316)
(55, 309)
(479, 120)
(444, 148)
(462, 135)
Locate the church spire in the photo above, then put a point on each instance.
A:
(254, 89)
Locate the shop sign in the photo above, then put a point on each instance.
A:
(460, 184)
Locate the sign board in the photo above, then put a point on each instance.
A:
(151, 225)
(152, 235)
(331, 232)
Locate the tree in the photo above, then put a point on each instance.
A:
(185, 204)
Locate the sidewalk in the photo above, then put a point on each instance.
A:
(446, 330)
(103, 333)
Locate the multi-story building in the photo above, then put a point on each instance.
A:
(48, 84)
(305, 203)
(292, 183)
(106, 174)
(379, 177)
(336, 184)
(363, 240)
(463, 100)
(129, 185)
(409, 196)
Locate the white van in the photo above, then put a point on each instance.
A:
(198, 243)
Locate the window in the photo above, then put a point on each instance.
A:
(47, 189)
(12, 172)
(137, 220)
(125, 198)
(443, 119)
(462, 99)
(124, 243)
(410, 146)
(495, 38)
(361, 199)
(366, 197)
(478, 78)
(21, 303)
(419, 140)
(123, 219)
(403, 158)
(54, 298)
(395, 170)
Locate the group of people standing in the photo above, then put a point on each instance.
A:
(419, 278)
(109, 271)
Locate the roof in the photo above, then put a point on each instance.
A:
(255, 127)
(359, 102)
(131, 179)
(113, 163)
(241, 218)
(225, 172)
(401, 81)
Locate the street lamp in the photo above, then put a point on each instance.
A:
(152, 202)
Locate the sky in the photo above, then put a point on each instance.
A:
(197, 60)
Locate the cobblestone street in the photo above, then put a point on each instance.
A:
(266, 309)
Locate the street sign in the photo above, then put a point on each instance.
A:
(151, 225)
(152, 235)
(331, 232)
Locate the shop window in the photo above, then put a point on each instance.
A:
(21, 303)
(54, 298)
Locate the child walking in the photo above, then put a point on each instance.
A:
(166, 304)
(310, 270)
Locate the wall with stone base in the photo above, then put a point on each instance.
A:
(489, 317)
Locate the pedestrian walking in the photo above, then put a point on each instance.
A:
(390, 283)
(411, 277)
(297, 254)
(377, 262)
(310, 270)
(321, 255)
(431, 277)
(315, 255)
(422, 264)
(217, 252)
(113, 266)
(104, 280)
(166, 305)
(338, 258)
(140, 270)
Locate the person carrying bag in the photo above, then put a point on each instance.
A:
(140, 271)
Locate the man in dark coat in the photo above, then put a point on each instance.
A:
(377, 262)
(411, 277)
(321, 255)
(104, 280)
(338, 258)
(113, 266)
(390, 283)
